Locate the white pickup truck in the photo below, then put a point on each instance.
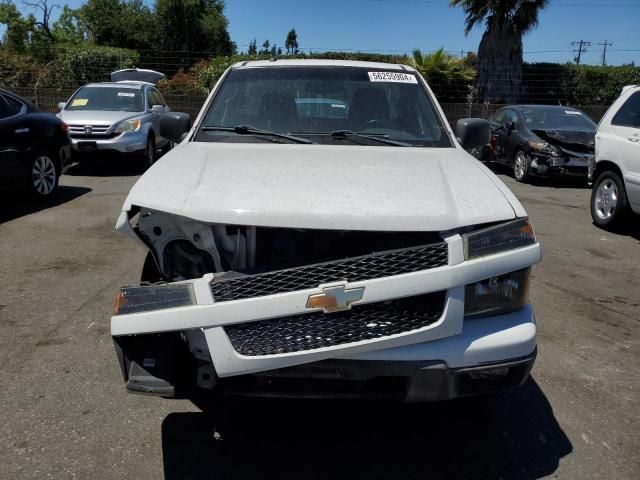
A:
(321, 231)
(615, 170)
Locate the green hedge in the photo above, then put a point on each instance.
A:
(70, 67)
(571, 84)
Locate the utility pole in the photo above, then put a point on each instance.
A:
(604, 51)
(582, 44)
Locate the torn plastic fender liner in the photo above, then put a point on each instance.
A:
(123, 225)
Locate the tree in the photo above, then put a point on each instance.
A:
(500, 51)
(69, 27)
(265, 47)
(41, 27)
(16, 35)
(441, 65)
(291, 43)
(193, 26)
(253, 49)
(119, 23)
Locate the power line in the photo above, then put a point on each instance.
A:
(559, 4)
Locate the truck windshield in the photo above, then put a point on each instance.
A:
(117, 99)
(326, 104)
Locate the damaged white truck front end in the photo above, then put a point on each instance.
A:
(287, 268)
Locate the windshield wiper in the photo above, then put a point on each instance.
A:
(249, 130)
(378, 138)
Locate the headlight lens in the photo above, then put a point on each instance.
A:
(497, 295)
(157, 297)
(128, 126)
(507, 236)
(545, 148)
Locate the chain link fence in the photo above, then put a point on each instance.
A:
(47, 99)
(191, 74)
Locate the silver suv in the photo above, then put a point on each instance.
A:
(118, 116)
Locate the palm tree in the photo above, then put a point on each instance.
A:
(500, 51)
(440, 65)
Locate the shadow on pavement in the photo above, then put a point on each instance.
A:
(555, 181)
(18, 204)
(117, 166)
(511, 435)
(630, 229)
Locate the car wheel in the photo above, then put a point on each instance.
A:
(609, 203)
(168, 147)
(521, 167)
(150, 153)
(44, 176)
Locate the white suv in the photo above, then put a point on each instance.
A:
(615, 171)
(343, 246)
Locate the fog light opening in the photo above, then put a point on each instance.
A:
(490, 374)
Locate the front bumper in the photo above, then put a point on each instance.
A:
(449, 340)
(491, 354)
(129, 142)
(544, 165)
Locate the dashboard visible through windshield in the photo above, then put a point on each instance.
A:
(329, 105)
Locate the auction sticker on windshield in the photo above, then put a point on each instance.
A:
(392, 77)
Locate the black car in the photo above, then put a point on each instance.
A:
(541, 140)
(35, 147)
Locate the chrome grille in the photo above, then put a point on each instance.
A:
(315, 330)
(79, 131)
(366, 267)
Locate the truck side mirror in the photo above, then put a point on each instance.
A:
(473, 132)
(175, 126)
(61, 105)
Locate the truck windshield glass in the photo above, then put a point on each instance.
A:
(316, 102)
(107, 98)
(557, 118)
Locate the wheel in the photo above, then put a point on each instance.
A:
(44, 176)
(150, 153)
(168, 147)
(521, 166)
(609, 204)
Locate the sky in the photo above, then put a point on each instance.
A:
(399, 26)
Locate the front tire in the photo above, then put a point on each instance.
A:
(44, 176)
(521, 167)
(150, 152)
(609, 205)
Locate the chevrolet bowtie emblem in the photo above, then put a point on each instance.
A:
(335, 299)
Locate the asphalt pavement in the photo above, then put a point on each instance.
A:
(66, 415)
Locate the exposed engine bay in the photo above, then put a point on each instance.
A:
(184, 249)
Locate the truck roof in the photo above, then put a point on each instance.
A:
(322, 63)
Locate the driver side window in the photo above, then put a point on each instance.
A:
(510, 116)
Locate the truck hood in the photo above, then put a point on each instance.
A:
(92, 117)
(325, 187)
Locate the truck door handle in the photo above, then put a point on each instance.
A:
(22, 130)
(634, 139)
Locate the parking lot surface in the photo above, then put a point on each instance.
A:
(65, 413)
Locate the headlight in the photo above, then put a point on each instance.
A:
(128, 126)
(507, 236)
(157, 297)
(545, 148)
(497, 295)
